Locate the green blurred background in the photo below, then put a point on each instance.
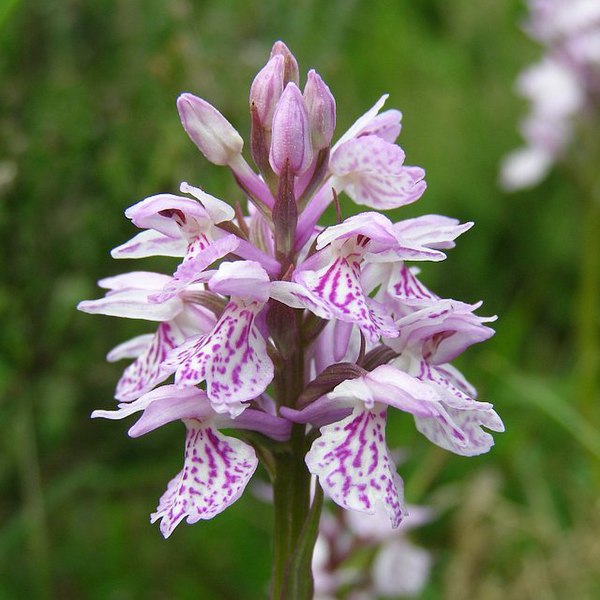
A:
(88, 126)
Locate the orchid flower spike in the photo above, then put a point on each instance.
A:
(280, 338)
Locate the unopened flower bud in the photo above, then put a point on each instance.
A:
(290, 71)
(214, 135)
(290, 142)
(266, 90)
(320, 105)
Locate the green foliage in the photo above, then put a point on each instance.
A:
(88, 126)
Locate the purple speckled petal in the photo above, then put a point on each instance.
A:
(353, 464)
(200, 255)
(150, 243)
(405, 286)
(457, 379)
(396, 287)
(216, 471)
(143, 374)
(474, 440)
(386, 126)
(232, 359)
(372, 172)
(337, 288)
(458, 427)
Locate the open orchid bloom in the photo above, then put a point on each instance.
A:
(429, 339)
(351, 457)
(131, 296)
(216, 467)
(275, 326)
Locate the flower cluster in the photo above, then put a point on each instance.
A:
(562, 87)
(272, 323)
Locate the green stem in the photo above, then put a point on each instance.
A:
(291, 484)
(291, 495)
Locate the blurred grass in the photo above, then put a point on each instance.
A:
(88, 126)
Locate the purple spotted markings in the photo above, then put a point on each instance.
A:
(269, 317)
(216, 471)
(353, 465)
(231, 359)
(146, 372)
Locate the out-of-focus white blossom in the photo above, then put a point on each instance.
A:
(563, 88)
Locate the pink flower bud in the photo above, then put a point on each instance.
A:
(290, 140)
(214, 135)
(320, 105)
(290, 71)
(266, 90)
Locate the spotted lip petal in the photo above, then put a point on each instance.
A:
(216, 471)
(232, 359)
(353, 464)
(459, 427)
(143, 374)
(405, 286)
(336, 288)
(372, 172)
(399, 289)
